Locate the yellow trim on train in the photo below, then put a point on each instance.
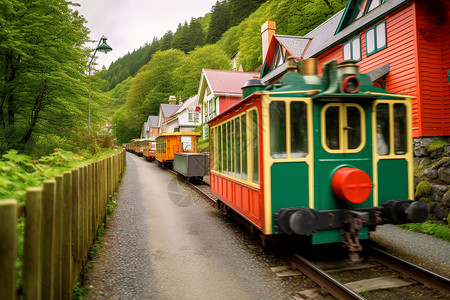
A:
(408, 156)
(268, 160)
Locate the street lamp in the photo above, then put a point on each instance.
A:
(105, 48)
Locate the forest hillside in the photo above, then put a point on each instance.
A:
(172, 65)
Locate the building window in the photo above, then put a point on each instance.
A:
(352, 49)
(192, 117)
(376, 38)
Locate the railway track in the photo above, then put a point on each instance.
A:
(328, 284)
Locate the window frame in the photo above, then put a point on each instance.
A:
(225, 161)
(343, 133)
(390, 139)
(350, 42)
(288, 130)
(376, 48)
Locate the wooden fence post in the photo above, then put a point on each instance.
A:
(32, 264)
(66, 253)
(8, 248)
(86, 213)
(76, 225)
(57, 237)
(48, 199)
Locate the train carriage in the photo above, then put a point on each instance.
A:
(149, 149)
(326, 157)
(167, 144)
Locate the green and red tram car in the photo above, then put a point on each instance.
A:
(328, 157)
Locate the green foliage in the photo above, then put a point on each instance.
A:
(436, 144)
(220, 21)
(170, 72)
(440, 231)
(188, 73)
(43, 89)
(423, 188)
(20, 171)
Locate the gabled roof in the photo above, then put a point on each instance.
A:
(324, 36)
(294, 45)
(188, 103)
(153, 121)
(168, 109)
(227, 82)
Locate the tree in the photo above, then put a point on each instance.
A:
(37, 79)
(189, 72)
(220, 21)
(152, 85)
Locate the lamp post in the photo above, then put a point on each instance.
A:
(105, 48)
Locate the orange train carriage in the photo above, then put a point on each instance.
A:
(149, 149)
(167, 144)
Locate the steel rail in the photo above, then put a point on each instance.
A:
(419, 274)
(327, 282)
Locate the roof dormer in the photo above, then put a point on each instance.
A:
(356, 9)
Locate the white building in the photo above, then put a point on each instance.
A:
(185, 118)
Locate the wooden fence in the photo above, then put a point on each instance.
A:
(60, 224)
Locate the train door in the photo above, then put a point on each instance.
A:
(288, 154)
(343, 139)
(344, 142)
(393, 156)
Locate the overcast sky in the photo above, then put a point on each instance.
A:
(129, 24)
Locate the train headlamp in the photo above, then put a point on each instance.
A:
(351, 84)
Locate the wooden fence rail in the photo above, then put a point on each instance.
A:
(61, 220)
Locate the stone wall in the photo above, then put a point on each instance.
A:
(433, 166)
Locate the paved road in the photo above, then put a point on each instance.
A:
(164, 242)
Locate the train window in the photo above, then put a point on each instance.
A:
(219, 148)
(244, 146)
(353, 127)
(237, 135)
(224, 149)
(212, 148)
(332, 132)
(399, 129)
(382, 135)
(277, 111)
(299, 134)
(255, 152)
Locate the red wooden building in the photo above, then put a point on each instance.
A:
(403, 45)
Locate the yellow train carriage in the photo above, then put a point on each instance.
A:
(167, 144)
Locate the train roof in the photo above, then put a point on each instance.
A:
(179, 133)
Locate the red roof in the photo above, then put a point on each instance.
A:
(227, 82)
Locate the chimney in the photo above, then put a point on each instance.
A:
(267, 31)
(172, 100)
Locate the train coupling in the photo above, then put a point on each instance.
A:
(303, 220)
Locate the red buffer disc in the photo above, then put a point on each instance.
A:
(351, 184)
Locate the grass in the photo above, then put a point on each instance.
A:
(437, 230)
